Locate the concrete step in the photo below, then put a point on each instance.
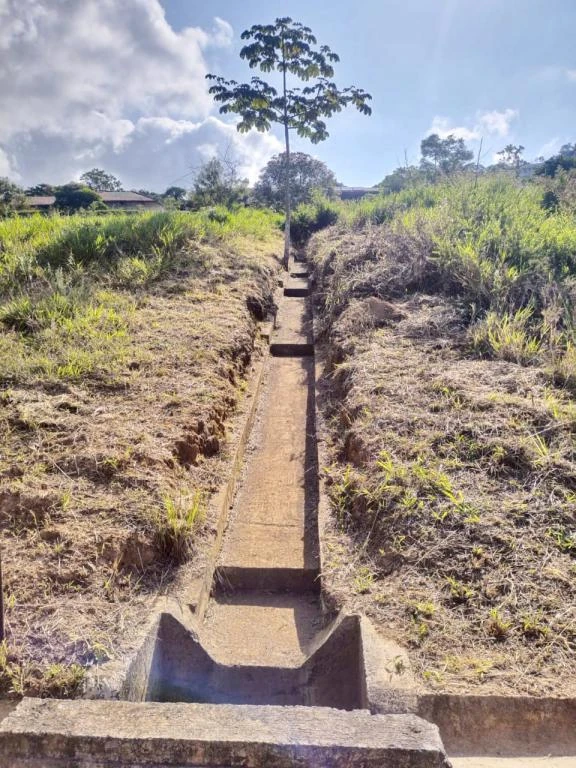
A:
(117, 734)
(276, 629)
(233, 578)
(296, 286)
(292, 335)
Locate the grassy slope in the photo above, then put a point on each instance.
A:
(452, 422)
(124, 342)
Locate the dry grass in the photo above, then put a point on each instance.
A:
(105, 478)
(453, 479)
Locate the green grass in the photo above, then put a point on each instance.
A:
(68, 283)
(489, 244)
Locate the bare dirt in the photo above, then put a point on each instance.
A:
(90, 470)
(452, 486)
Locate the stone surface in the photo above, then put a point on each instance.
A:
(275, 629)
(293, 329)
(274, 521)
(296, 286)
(64, 734)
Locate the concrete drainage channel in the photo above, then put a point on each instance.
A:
(258, 674)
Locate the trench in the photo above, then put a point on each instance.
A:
(264, 638)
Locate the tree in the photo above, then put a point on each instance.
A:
(100, 181)
(11, 196)
(289, 48)
(511, 155)
(401, 178)
(306, 174)
(176, 193)
(217, 183)
(73, 197)
(41, 190)
(444, 155)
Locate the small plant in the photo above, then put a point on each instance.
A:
(363, 581)
(506, 337)
(425, 609)
(533, 627)
(496, 626)
(459, 592)
(177, 523)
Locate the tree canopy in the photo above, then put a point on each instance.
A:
(290, 48)
(306, 174)
(217, 183)
(73, 197)
(444, 155)
(101, 181)
(11, 196)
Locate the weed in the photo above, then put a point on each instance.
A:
(177, 523)
(496, 626)
(363, 580)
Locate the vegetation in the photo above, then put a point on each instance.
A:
(217, 183)
(72, 197)
(447, 314)
(100, 181)
(289, 48)
(125, 341)
(307, 176)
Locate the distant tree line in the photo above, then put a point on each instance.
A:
(218, 181)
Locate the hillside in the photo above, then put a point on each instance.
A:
(125, 343)
(446, 315)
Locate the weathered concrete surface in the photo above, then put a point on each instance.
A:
(502, 725)
(275, 628)
(296, 286)
(95, 734)
(514, 762)
(274, 522)
(293, 329)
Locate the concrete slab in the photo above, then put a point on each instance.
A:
(276, 629)
(296, 286)
(99, 734)
(274, 521)
(293, 329)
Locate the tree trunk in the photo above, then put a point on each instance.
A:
(288, 200)
(287, 195)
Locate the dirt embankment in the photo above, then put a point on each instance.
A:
(104, 483)
(453, 482)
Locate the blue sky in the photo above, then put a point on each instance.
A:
(427, 59)
(121, 85)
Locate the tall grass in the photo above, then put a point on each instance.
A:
(65, 281)
(490, 244)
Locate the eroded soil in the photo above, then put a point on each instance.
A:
(92, 471)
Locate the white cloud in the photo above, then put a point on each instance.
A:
(550, 147)
(571, 75)
(497, 123)
(441, 126)
(492, 123)
(95, 81)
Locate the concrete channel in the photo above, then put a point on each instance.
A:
(259, 674)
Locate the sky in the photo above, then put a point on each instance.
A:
(120, 85)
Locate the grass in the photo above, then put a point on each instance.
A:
(177, 523)
(67, 283)
(451, 419)
(126, 342)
